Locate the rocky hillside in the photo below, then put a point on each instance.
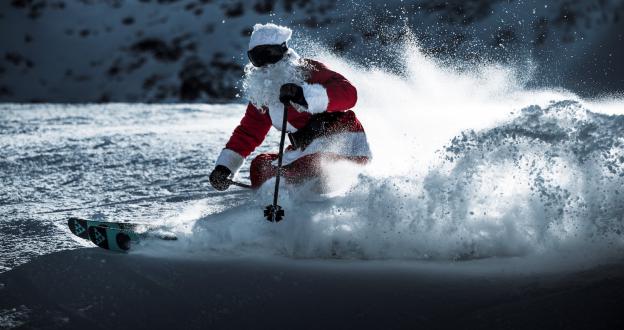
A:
(194, 50)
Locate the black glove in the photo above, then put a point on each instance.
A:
(219, 178)
(320, 124)
(294, 93)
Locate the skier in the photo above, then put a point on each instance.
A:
(321, 127)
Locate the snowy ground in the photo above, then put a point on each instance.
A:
(93, 289)
(545, 181)
(116, 162)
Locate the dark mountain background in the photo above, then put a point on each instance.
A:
(194, 50)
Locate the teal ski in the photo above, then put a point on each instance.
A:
(116, 236)
(80, 227)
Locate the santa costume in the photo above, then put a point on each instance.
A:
(320, 123)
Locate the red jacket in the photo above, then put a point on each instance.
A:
(324, 90)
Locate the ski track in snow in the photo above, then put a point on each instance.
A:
(467, 166)
(118, 162)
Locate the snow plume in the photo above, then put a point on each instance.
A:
(261, 85)
(548, 180)
(467, 164)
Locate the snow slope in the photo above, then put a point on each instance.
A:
(89, 288)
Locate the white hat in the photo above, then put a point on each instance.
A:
(269, 34)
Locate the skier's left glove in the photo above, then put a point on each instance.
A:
(219, 178)
(293, 93)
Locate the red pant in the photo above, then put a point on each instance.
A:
(306, 167)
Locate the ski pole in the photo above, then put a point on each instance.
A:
(274, 212)
(239, 184)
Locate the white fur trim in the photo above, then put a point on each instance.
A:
(276, 112)
(351, 144)
(230, 159)
(269, 34)
(316, 96)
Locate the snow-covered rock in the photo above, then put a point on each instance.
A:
(194, 50)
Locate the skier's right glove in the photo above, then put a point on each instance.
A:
(219, 178)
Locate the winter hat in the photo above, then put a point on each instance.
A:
(269, 34)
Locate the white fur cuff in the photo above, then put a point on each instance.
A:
(316, 96)
(230, 159)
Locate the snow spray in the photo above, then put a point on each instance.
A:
(466, 165)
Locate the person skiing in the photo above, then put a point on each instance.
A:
(320, 123)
